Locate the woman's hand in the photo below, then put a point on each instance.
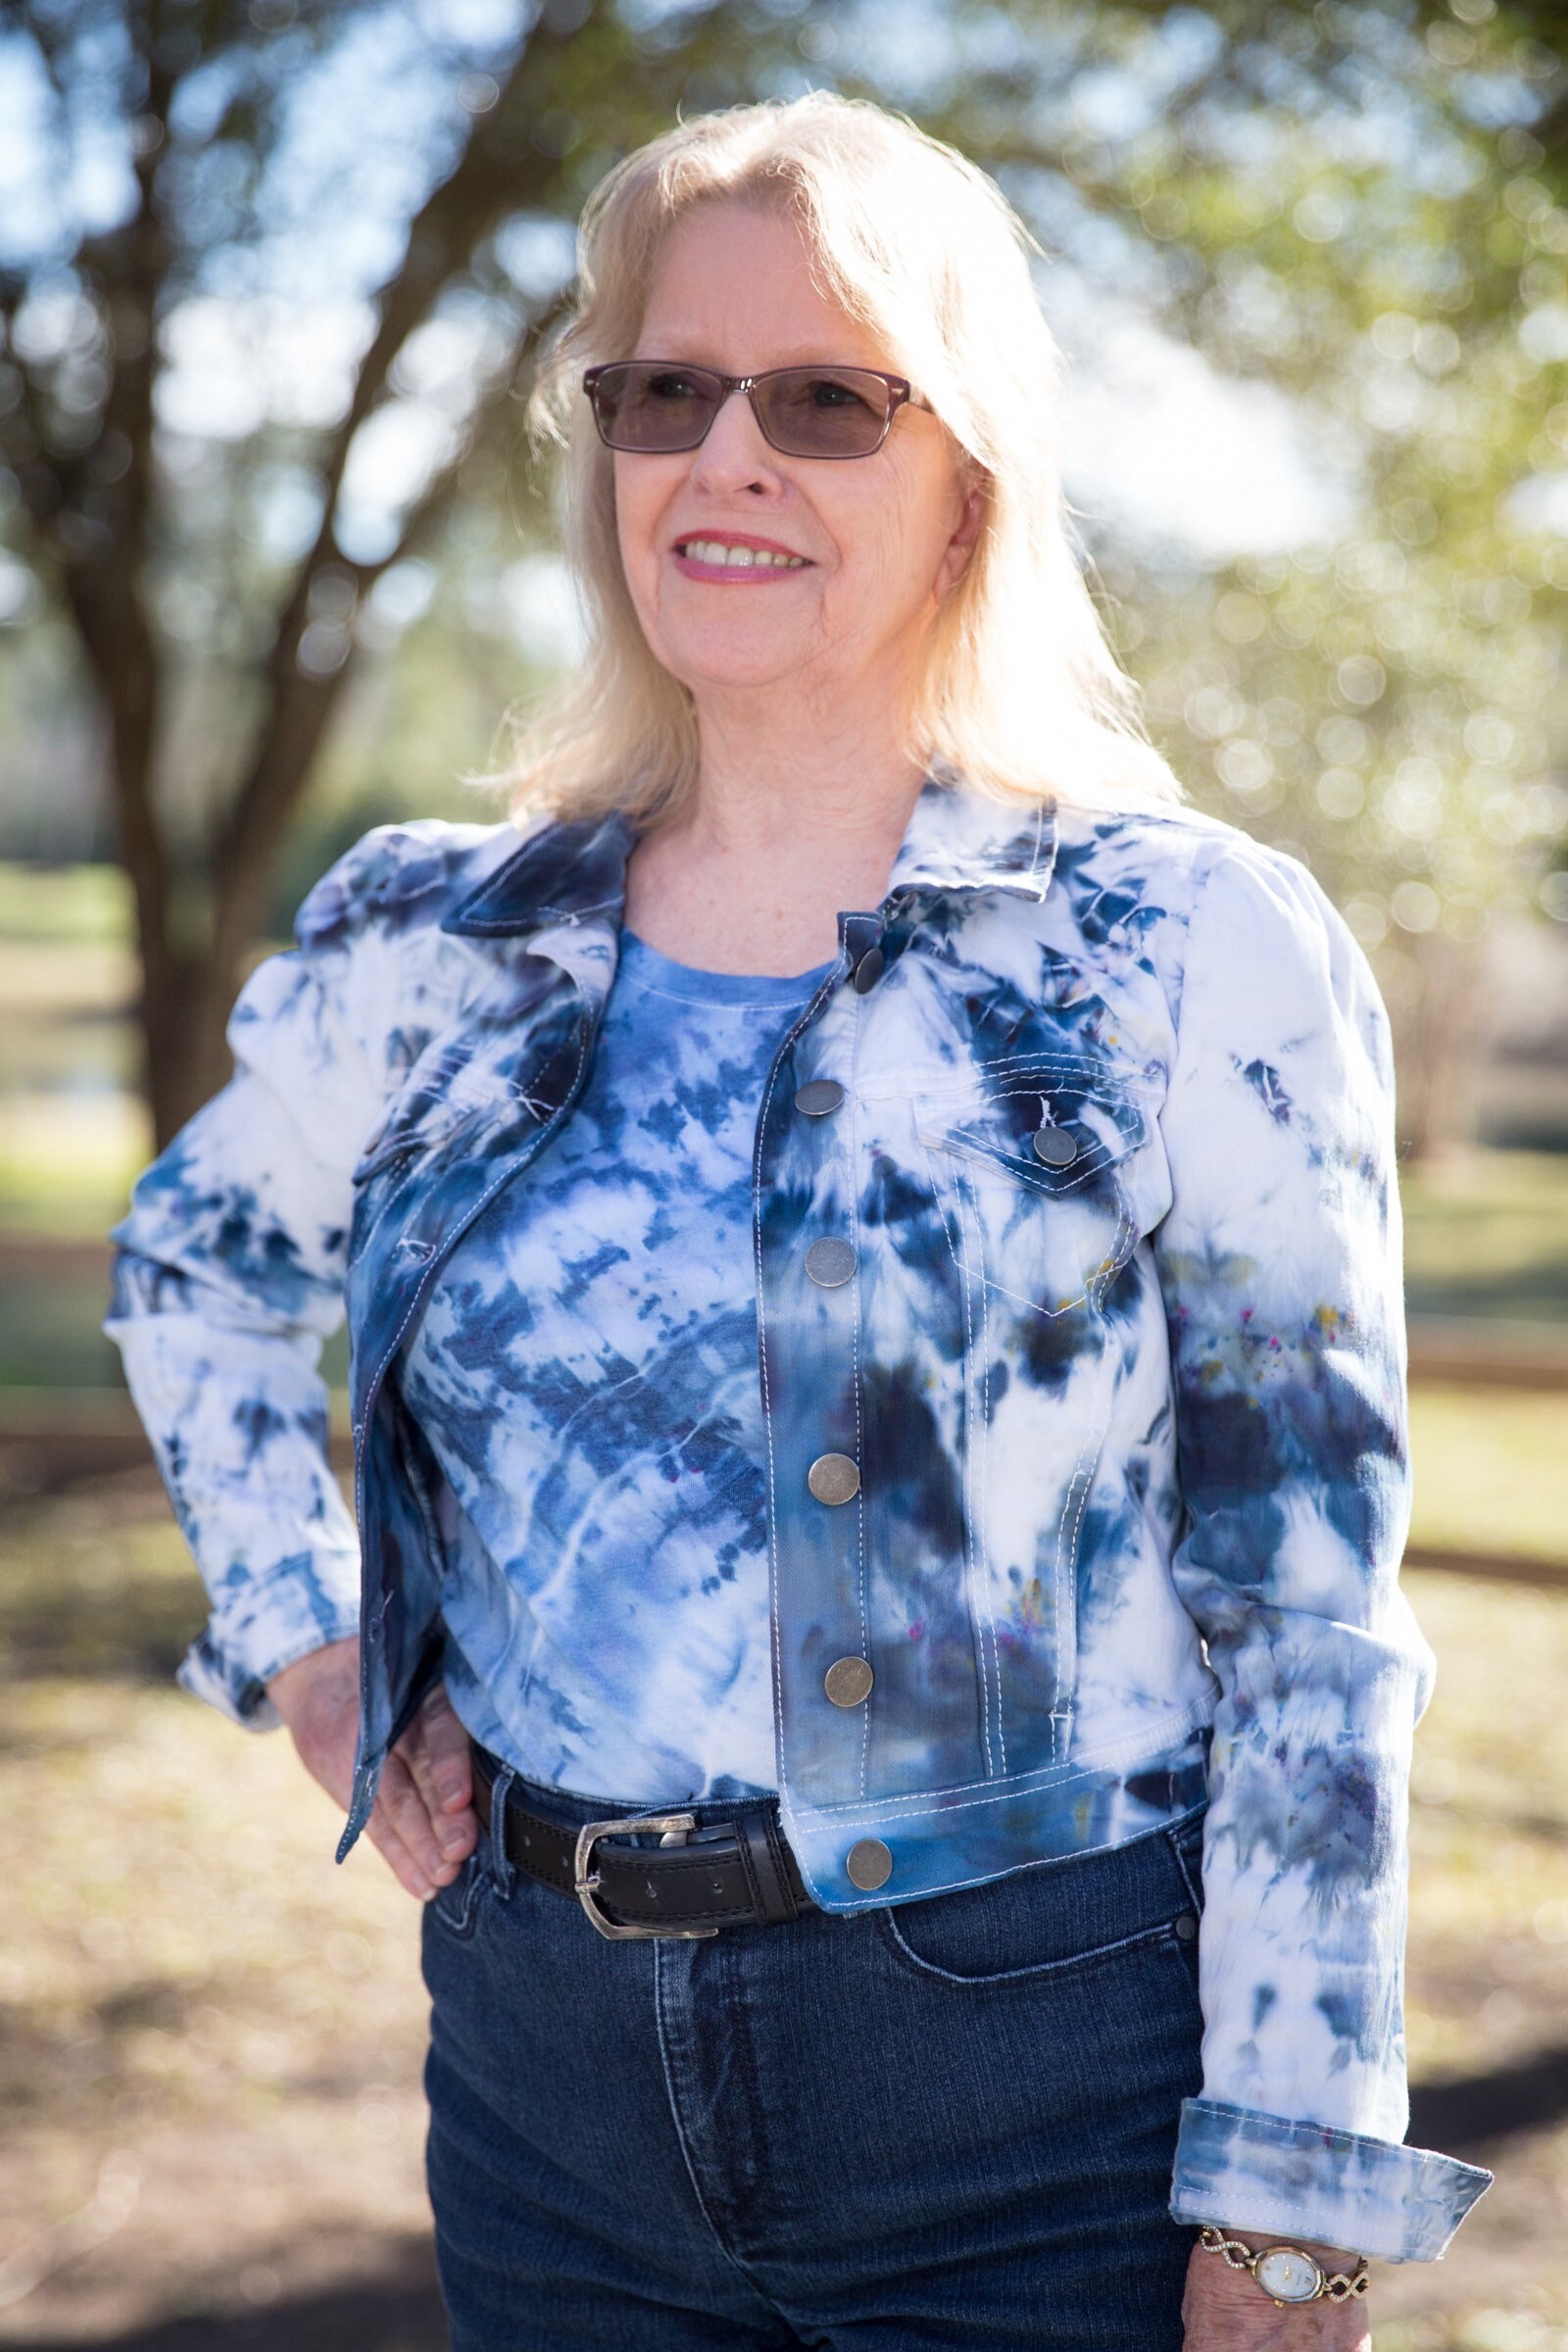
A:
(1227, 2311)
(423, 1821)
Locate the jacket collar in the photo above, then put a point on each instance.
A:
(559, 873)
(956, 840)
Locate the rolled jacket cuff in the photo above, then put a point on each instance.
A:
(233, 1678)
(1249, 2171)
(222, 1683)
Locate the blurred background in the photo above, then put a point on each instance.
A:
(274, 564)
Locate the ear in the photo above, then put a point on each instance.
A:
(955, 554)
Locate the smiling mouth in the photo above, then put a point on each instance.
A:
(738, 559)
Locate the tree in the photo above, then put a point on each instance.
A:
(1362, 202)
(1365, 205)
(202, 99)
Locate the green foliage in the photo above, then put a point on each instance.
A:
(1361, 204)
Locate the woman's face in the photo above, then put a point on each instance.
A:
(880, 539)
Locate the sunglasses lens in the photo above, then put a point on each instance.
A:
(824, 412)
(656, 406)
(654, 409)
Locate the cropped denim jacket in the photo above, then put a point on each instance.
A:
(1113, 1399)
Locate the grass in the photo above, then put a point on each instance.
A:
(196, 2003)
(70, 906)
(68, 1161)
(1490, 1471)
(1487, 1234)
(1488, 1951)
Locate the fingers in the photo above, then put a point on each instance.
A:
(398, 1858)
(401, 1827)
(423, 1822)
(447, 1754)
(436, 1751)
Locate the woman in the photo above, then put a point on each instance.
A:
(872, 1261)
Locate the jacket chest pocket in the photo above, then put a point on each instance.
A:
(1027, 1168)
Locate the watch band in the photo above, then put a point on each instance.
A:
(1286, 2267)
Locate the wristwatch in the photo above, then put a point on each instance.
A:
(1286, 2274)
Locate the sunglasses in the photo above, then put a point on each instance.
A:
(659, 406)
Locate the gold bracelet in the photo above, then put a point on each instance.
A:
(1286, 2273)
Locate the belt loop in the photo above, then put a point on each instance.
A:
(757, 1838)
(502, 1867)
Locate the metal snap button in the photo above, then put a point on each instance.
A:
(868, 971)
(818, 1096)
(870, 1865)
(830, 1262)
(1185, 1926)
(834, 1477)
(1055, 1147)
(848, 1680)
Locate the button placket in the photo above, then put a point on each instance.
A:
(830, 1262)
(847, 1682)
(823, 1264)
(834, 1477)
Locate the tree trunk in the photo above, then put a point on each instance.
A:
(184, 1056)
(1436, 1000)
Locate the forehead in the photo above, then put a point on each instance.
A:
(734, 286)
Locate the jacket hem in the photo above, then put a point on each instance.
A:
(941, 1842)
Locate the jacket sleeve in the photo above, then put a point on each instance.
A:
(230, 1274)
(1280, 1263)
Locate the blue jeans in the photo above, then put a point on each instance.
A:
(946, 2123)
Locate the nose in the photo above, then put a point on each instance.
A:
(734, 456)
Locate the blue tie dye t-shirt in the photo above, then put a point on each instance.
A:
(587, 1377)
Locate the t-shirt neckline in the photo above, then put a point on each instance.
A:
(647, 968)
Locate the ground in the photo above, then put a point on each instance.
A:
(211, 2036)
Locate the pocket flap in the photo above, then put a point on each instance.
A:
(1053, 1129)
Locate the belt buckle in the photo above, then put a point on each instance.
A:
(676, 1828)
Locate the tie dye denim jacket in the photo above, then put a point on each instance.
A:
(1119, 1373)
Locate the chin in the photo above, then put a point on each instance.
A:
(732, 665)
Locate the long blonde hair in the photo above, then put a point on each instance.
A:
(1021, 695)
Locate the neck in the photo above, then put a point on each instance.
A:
(786, 775)
(791, 822)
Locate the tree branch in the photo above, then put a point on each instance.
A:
(443, 237)
(297, 717)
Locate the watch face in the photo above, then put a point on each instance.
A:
(1288, 2275)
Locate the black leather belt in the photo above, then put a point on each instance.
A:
(737, 1874)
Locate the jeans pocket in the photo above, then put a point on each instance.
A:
(1049, 1920)
(1186, 1841)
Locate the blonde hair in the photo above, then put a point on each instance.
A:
(1021, 695)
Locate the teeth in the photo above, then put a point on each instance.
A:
(744, 559)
